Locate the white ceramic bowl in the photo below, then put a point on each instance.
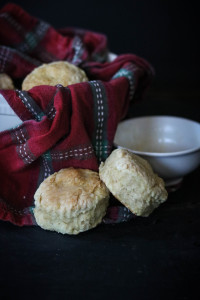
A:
(8, 118)
(170, 144)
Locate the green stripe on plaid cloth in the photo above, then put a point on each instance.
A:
(46, 167)
(129, 74)
(33, 38)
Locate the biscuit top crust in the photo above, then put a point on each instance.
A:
(70, 190)
(128, 162)
(60, 72)
(6, 82)
(136, 163)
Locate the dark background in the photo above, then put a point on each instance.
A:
(164, 32)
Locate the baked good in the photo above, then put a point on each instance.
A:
(6, 82)
(132, 181)
(60, 72)
(71, 201)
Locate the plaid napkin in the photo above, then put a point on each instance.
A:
(61, 126)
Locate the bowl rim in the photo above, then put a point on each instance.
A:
(161, 154)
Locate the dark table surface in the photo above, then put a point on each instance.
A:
(146, 258)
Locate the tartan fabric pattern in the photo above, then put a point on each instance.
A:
(9, 57)
(46, 167)
(25, 154)
(31, 39)
(127, 72)
(118, 214)
(29, 103)
(32, 42)
(100, 141)
(80, 152)
(61, 127)
(19, 135)
(5, 57)
(10, 212)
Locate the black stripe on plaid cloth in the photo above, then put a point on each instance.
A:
(5, 58)
(31, 39)
(46, 167)
(25, 154)
(10, 57)
(19, 134)
(31, 105)
(45, 161)
(100, 140)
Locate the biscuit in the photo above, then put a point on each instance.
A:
(6, 82)
(60, 72)
(71, 201)
(132, 181)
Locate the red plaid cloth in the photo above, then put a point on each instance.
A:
(61, 126)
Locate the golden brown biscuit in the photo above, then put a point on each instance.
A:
(132, 181)
(6, 82)
(71, 201)
(60, 72)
